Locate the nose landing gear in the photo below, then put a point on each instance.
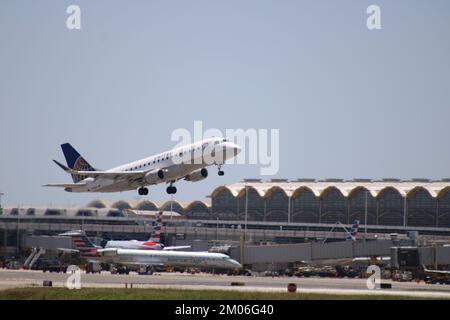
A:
(220, 172)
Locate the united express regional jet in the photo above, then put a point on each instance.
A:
(187, 162)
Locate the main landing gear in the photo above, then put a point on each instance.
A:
(171, 189)
(143, 191)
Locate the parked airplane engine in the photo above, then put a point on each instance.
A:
(154, 177)
(109, 252)
(197, 175)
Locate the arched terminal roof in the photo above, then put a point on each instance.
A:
(347, 188)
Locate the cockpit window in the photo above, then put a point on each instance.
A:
(225, 140)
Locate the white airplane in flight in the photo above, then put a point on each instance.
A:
(187, 162)
(147, 259)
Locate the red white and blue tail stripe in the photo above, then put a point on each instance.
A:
(353, 231)
(156, 232)
(83, 244)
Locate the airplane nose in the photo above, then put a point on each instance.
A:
(235, 264)
(237, 149)
(232, 149)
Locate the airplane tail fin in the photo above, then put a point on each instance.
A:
(75, 161)
(353, 231)
(156, 231)
(82, 243)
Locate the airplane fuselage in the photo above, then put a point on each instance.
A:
(166, 167)
(131, 257)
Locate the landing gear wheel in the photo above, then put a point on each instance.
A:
(171, 190)
(220, 173)
(143, 191)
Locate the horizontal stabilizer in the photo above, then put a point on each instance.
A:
(66, 250)
(62, 166)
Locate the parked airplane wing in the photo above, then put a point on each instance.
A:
(435, 271)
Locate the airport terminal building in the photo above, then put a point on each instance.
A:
(417, 202)
(388, 202)
(278, 210)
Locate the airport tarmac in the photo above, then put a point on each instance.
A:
(26, 278)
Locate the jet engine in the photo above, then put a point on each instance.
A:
(108, 252)
(154, 177)
(197, 175)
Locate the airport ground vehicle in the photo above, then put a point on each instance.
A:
(270, 273)
(53, 265)
(402, 276)
(119, 270)
(436, 279)
(313, 271)
(13, 265)
(346, 272)
(93, 267)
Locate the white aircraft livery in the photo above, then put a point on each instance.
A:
(147, 259)
(186, 162)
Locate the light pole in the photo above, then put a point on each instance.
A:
(365, 217)
(289, 209)
(246, 207)
(404, 210)
(217, 229)
(1, 208)
(18, 229)
(171, 206)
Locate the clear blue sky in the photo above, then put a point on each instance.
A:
(349, 102)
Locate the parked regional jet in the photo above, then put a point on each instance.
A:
(139, 259)
(154, 243)
(187, 162)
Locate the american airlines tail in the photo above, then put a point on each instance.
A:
(353, 231)
(75, 161)
(83, 244)
(156, 231)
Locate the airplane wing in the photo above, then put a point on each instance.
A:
(65, 185)
(105, 174)
(436, 271)
(176, 248)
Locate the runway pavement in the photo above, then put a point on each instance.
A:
(25, 278)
